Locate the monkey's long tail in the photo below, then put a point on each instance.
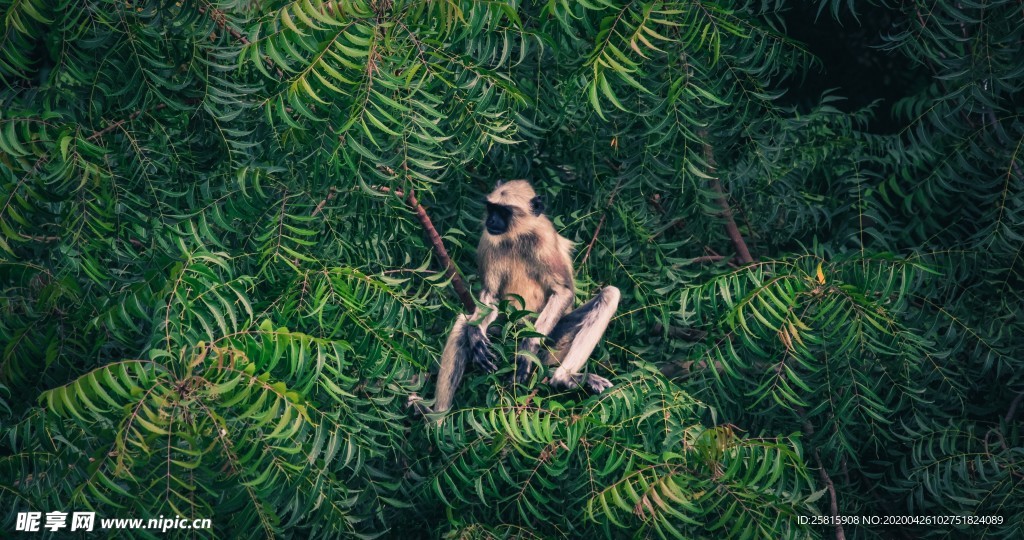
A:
(453, 365)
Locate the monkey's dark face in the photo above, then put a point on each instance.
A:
(499, 218)
(511, 205)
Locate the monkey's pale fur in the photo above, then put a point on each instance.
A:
(532, 261)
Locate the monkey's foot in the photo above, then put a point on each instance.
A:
(594, 384)
(415, 402)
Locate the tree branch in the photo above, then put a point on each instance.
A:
(593, 239)
(706, 258)
(39, 238)
(435, 239)
(597, 230)
(833, 504)
(742, 253)
(121, 122)
(1012, 411)
(330, 196)
(221, 19)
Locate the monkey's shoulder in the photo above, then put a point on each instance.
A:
(536, 245)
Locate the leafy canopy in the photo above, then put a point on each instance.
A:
(212, 309)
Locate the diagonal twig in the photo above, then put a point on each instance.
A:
(833, 503)
(221, 19)
(435, 239)
(742, 253)
(121, 122)
(597, 230)
(1012, 411)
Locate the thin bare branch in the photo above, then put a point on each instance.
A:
(331, 193)
(221, 19)
(121, 122)
(1012, 411)
(706, 258)
(742, 253)
(833, 504)
(604, 215)
(435, 240)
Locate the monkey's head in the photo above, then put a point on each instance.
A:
(511, 201)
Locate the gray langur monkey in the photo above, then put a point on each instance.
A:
(521, 254)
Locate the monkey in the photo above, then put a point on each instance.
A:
(520, 254)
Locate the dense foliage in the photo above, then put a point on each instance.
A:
(211, 308)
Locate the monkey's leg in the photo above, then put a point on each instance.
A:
(577, 334)
(559, 300)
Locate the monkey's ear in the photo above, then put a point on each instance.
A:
(537, 205)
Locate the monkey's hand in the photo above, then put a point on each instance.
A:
(524, 364)
(479, 347)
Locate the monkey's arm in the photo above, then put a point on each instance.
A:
(559, 301)
(477, 343)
